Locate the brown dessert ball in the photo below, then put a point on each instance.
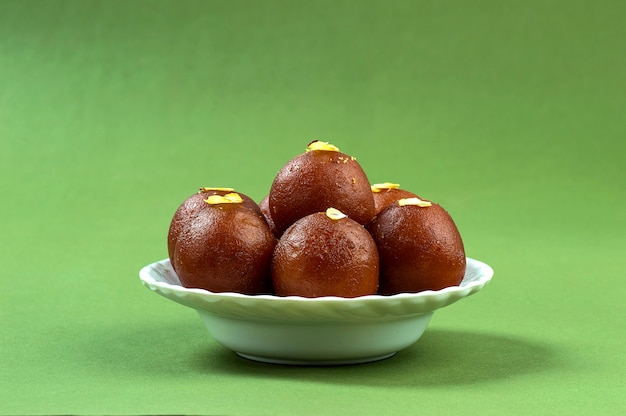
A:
(192, 205)
(224, 247)
(264, 205)
(320, 178)
(386, 193)
(325, 254)
(419, 245)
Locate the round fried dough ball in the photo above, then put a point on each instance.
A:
(264, 205)
(192, 205)
(320, 178)
(419, 245)
(224, 247)
(325, 254)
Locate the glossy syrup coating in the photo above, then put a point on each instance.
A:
(225, 248)
(317, 180)
(264, 205)
(420, 248)
(320, 256)
(190, 207)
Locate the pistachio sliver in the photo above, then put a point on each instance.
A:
(335, 214)
(230, 198)
(414, 201)
(209, 189)
(379, 187)
(318, 145)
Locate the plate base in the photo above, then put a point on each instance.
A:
(272, 360)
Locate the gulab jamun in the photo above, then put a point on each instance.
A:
(224, 247)
(264, 205)
(325, 254)
(320, 178)
(193, 204)
(419, 246)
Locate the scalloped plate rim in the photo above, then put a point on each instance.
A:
(485, 274)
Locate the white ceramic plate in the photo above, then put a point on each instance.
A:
(314, 331)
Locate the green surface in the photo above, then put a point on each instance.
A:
(508, 113)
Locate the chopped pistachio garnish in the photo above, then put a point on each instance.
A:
(209, 189)
(335, 214)
(379, 187)
(414, 201)
(231, 198)
(317, 145)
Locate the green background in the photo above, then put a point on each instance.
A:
(508, 113)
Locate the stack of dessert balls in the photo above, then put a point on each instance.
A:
(322, 230)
